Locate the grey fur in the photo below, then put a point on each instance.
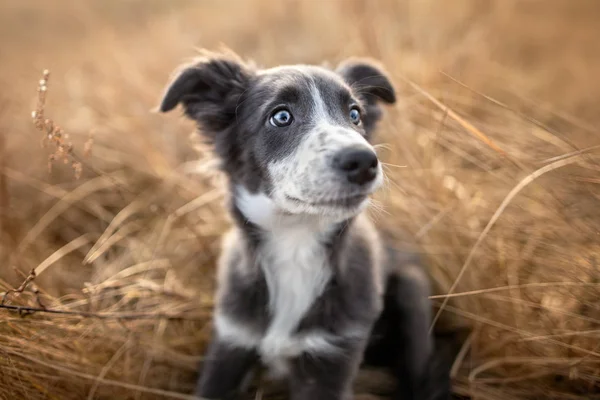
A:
(294, 218)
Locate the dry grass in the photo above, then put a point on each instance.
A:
(497, 125)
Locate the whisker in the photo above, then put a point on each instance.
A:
(382, 146)
(378, 210)
(390, 182)
(394, 165)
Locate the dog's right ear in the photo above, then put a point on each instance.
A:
(208, 90)
(372, 83)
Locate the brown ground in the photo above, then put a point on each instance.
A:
(492, 160)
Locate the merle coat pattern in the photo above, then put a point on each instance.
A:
(306, 285)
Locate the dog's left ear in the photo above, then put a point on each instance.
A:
(209, 90)
(370, 81)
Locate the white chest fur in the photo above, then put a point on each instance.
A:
(296, 270)
(295, 264)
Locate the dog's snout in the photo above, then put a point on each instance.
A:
(359, 164)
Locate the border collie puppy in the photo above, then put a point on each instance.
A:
(306, 286)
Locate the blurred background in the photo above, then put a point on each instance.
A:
(107, 257)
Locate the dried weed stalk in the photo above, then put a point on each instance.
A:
(54, 134)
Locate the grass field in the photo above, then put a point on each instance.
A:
(492, 156)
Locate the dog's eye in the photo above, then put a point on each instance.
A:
(355, 116)
(281, 118)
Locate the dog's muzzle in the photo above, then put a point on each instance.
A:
(358, 164)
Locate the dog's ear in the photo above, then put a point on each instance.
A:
(209, 90)
(370, 81)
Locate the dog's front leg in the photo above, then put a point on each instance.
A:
(223, 370)
(325, 377)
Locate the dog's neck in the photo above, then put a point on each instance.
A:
(261, 211)
(258, 216)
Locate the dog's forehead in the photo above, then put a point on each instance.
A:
(305, 78)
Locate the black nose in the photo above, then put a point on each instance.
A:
(358, 164)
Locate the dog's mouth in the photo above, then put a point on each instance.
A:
(338, 202)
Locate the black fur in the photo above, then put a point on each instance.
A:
(229, 365)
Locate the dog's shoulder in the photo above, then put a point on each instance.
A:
(242, 293)
(235, 265)
(231, 253)
(366, 251)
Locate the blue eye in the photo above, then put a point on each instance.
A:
(355, 116)
(281, 118)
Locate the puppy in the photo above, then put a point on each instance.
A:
(306, 285)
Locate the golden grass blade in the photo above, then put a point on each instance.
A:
(109, 382)
(121, 234)
(87, 188)
(507, 200)
(469, 127)
(70, 247)
(540, 285)
(132, 208)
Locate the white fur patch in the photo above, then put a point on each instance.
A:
(296, 269)
(275, 350)
(233, 332)
(307, 173)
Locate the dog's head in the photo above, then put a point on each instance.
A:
(298, 135)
